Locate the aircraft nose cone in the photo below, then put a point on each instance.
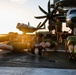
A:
(73, 19)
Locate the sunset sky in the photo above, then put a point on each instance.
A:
(23, 11)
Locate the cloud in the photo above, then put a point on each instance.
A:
(19, 1)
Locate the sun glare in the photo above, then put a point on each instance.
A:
(17, 11)
(7, 21)
(9, 17)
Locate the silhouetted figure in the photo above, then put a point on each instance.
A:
(37, 41)
(58, 31)
(9, 45)
(49, 43)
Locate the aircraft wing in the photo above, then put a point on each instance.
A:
(67, 3)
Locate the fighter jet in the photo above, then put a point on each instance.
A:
(26, 28)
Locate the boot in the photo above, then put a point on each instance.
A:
(32, 50)
(40, 51)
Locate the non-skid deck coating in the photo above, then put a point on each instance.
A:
(49, 59)
(50, 63)
(35, 71)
